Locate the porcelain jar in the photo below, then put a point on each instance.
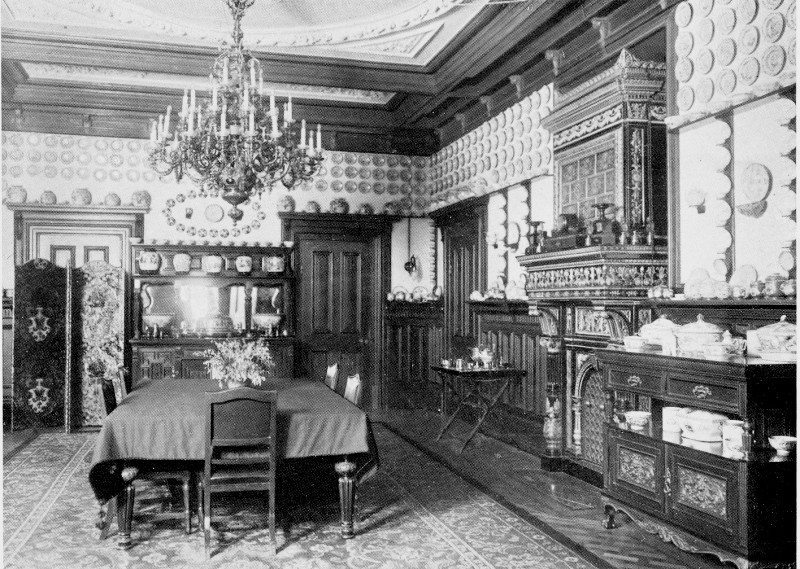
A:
(141, 198)
(773, 284)
(48, 198)
(212, 264)
(182, 262)
(732, 431)
(149, 261)
(273, 264)
(244, 263)
(16, 194)
(112, 199)
(81, 196)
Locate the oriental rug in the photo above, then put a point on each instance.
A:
(414, 513)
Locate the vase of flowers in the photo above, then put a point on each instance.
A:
(239, 362)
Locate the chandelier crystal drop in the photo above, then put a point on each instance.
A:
(234, 144)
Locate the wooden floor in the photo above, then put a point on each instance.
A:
(568, 505)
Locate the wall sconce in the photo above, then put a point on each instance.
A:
(411, 265)
(495, 242)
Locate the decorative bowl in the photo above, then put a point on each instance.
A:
(217, 324)
(212, 264)
(637, 420)
(182, 262)
(701, 425)
(266, 320)
(783, 445)
(669, 418)
(160, 319)
(633, 342)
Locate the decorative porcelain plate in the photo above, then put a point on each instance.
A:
(684, 69)
(337, 186)
(365, 187)
(364, 159)
(726, 51)
(774, 24)
(350, 158)
(686, 97)
(350, 187)
(748, 39)
(726, 81)
(364, 173)
(749, 70)
(756, 182)
(336, 158)
(726, 21)
(790, 15)
(748, 10)
(705, 31)
(379, 160)
(772, 4)
(773, 60)
(321, 185)
(705, 89)
(705, 61)
(684, 44)
(214, 213)
(683, 14)
(351, 171)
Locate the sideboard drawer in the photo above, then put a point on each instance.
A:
(195, 353)
(633, 380)
(700, 391)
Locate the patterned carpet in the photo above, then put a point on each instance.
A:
(413, 513)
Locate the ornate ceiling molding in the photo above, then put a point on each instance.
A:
(127, 15)
(82, 74)
(408, 44)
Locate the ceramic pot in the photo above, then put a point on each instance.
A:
(778, 341)
(694, 336)
(702, 426)
(244, 264)
(273, 264)
(286, 203)
(48, 198)
(182, 262)
(81, 196)
(732, 432)
(112, 199)
(339, 205)
(149, 261)
(773, 284)
(756, 289)
(17, 194)
(211, 264)
(365, 209)
(660, 331)
(141, 198)
(313, 207)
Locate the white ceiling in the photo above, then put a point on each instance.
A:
(410, 32)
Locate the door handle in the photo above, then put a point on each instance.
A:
(363, 341)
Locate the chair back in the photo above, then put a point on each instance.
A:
(120, 384)
(332, 376)
(352, 391)
(240, 421)
(106, 397)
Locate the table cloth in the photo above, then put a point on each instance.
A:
(164, 420)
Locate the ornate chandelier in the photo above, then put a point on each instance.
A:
(235, 143)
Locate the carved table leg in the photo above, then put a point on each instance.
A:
(125, 515)
(608, 521)
(186, 504)
(347, 487)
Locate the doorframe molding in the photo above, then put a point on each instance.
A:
(377, 229)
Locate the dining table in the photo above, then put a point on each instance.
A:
(163, 421)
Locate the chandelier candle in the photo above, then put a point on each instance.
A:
(234, 144)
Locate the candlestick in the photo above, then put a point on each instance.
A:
(319, 139)
(223, 119)
(185, 104)
(246, 103)
(252, 72)
(225, 73)
(166, 121)
(303, 133)
(153, 131)
(261, 82)
(194, 102)
(272, 103)
(252, 130)
(289, 111)
(275, 131)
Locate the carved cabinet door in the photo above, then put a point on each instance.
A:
(635, 470)
(702, 493)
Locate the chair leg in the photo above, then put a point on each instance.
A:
(199, 501)
(125, 515)
(272, 537)
(207, 518)
(187, 505)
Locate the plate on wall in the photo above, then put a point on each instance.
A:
(214, 213)
(773, 60)
(757, 181)
(726, 51)
(683, 14)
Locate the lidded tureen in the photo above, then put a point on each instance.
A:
(660, 331)
(778, 341)
(694, 336)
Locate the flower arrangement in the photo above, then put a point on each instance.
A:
(246, 362)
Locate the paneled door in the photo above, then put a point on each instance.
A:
(335, 305)
(342, 272)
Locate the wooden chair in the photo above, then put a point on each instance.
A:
(240, 449)
(110, 394)
(352, 391)
(332, 376)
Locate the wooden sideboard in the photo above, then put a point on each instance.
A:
(703, 497)
(193, 294)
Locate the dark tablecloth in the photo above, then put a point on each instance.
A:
(165, 421)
